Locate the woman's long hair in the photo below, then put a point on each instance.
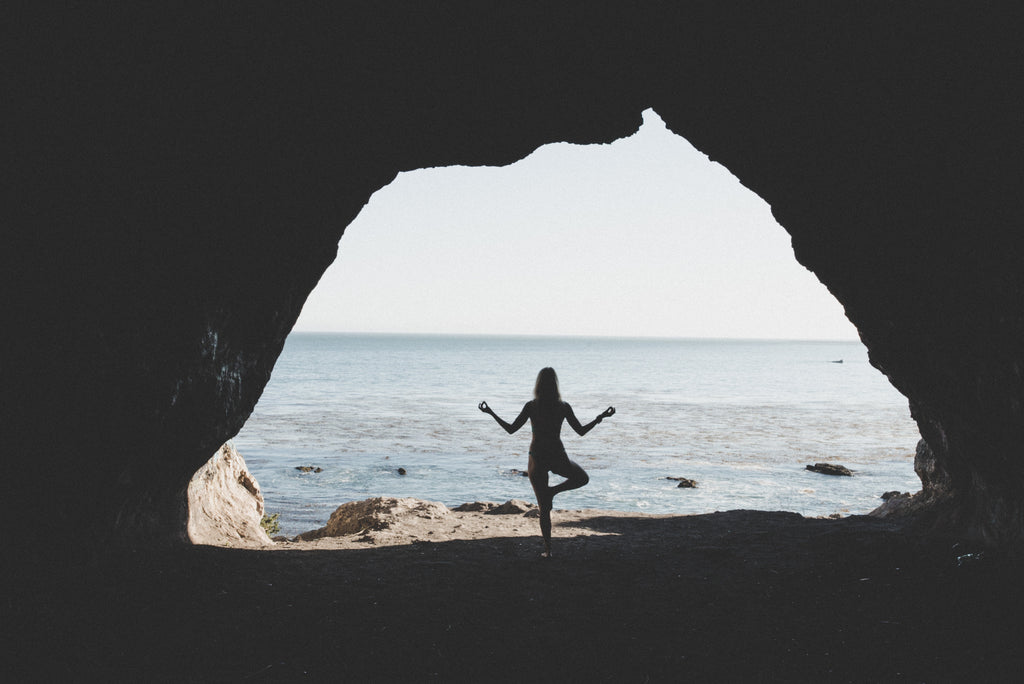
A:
(546, 388)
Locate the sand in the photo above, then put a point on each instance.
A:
(413, 528)
(734, 596)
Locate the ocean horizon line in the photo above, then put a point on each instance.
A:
(560, 336)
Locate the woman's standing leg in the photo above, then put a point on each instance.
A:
(539, 480)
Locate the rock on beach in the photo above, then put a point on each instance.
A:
(830, 469)
(378, 513)
(225, 503)
(513, 507)
(510, 507)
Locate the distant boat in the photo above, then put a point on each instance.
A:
(839, 361)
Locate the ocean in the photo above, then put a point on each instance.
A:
(741, 417)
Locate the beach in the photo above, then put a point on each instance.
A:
(454, 525)
(730, 596)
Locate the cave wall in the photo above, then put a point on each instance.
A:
(181, 181)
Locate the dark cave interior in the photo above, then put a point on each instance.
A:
(182, 182)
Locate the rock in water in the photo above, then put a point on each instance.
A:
(684, 482)
(830, 469)
(225, 504)
(378, 513)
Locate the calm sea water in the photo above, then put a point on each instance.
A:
(742, 418)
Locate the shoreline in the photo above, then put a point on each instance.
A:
(467, 525)
(720, 487)
(520, 522)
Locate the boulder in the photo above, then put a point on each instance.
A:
(378, 513)
(309, 469)
(475, 507)
(830, 469)
(225, 504)
(684, 482)
(512, 507)
(936, 488)
(936, 482)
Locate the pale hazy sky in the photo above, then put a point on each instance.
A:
(642, 237)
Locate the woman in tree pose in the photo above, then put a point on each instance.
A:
(546, 413)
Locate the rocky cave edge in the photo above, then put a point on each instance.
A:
(183, 181)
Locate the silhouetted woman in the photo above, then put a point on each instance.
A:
(546, 413)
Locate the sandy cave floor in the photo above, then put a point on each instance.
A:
(735, 596)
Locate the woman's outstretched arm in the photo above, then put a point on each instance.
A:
(581, 430)
(509, 427)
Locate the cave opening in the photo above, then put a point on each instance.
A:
(646, 275)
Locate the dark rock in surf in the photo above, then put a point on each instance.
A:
(684, 482)
(830, 469)
(309, 469)
(401, 471)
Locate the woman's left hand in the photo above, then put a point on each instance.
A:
(608, 412)
(484, 407)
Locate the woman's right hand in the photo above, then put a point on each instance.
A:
(484, 407)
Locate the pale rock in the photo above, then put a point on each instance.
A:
(225, 504)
